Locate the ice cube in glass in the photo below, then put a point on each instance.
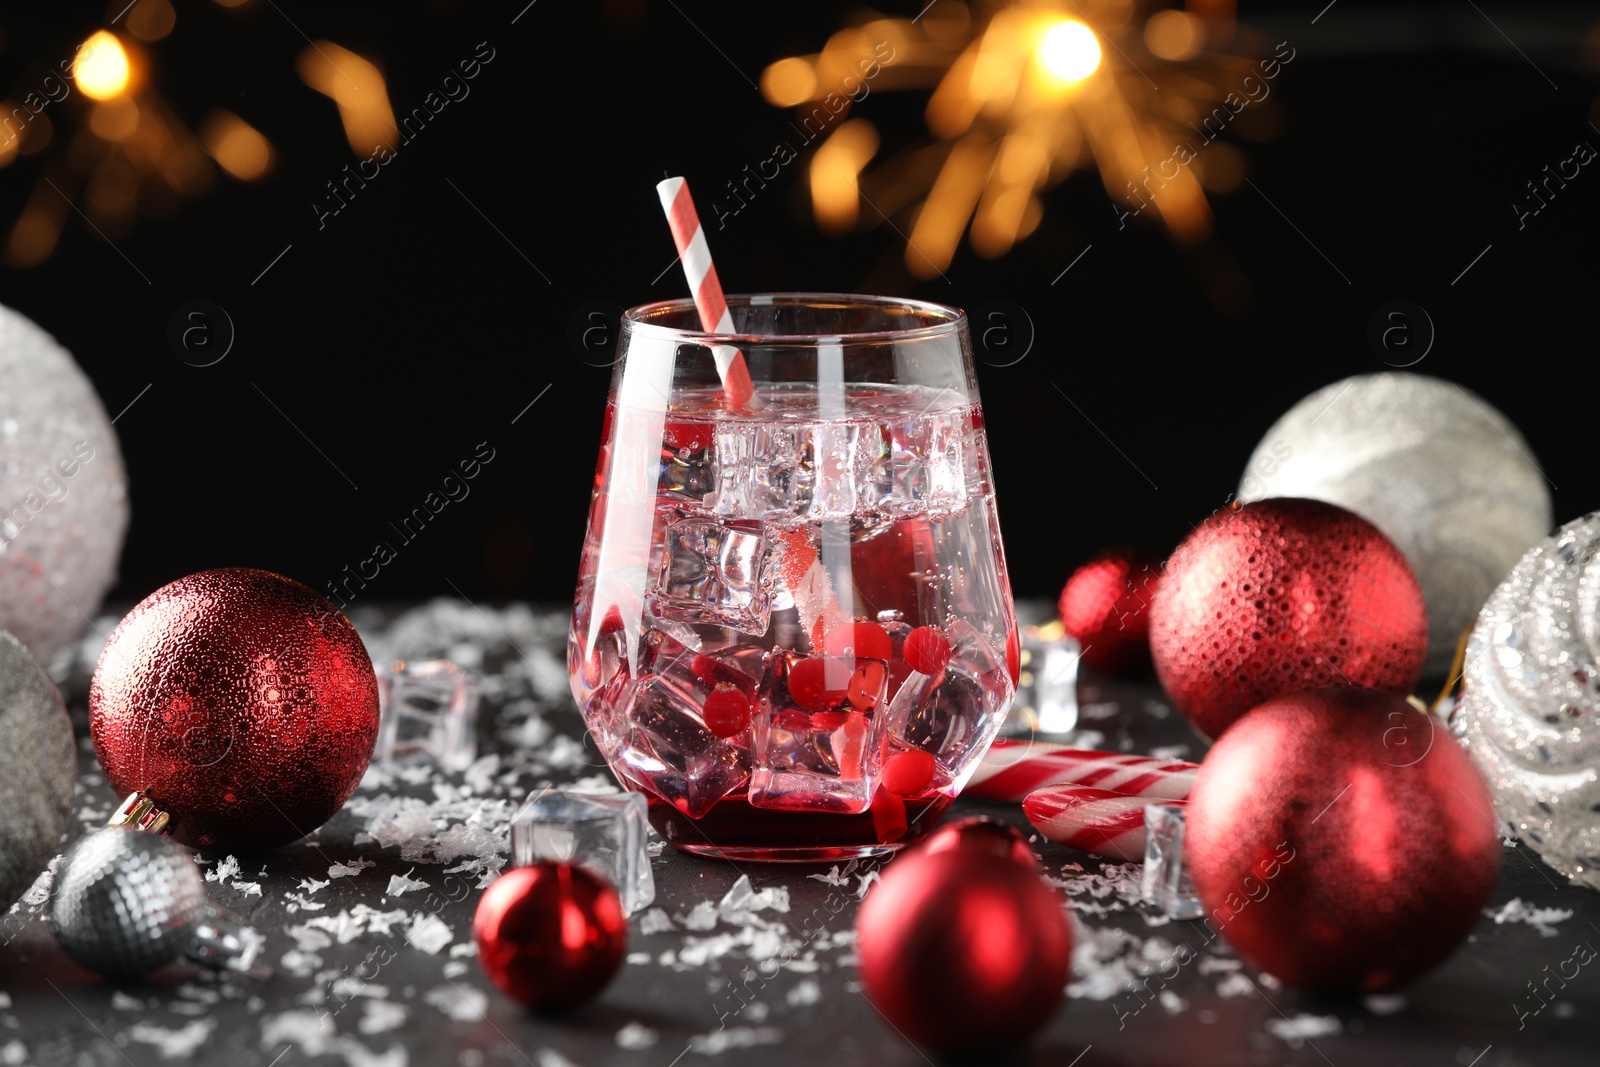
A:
(712, 573)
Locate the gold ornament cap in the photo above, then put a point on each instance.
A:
(139, 812)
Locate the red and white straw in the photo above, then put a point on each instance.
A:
(1094, 820)
(1011, 770)
(738, 391)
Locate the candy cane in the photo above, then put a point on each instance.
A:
(1094, 820)
(1011, 770)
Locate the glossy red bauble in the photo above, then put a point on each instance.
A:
(1281, 596)
(241, 703)
(550, 935)
(1105, 606)
(980, 833)
(1341, 840)
(963, 950)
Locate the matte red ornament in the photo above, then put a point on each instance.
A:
(981, 833)
(1341, 840)
(963, 950)
(550, 935)
(241, 703)
(1281, 596)
(1105, 606)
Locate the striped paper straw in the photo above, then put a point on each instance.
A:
(1011, 770)
(738, 392)
(1094, 820)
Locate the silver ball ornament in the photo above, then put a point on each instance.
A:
(38, 765)
(126, 903)
(1443, 474)
(63, 491)
(1530, 713)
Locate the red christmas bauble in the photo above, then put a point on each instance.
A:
(1280, 596)
(1105, 605)
(980, 833)
(963, 950)
(241, 703)
(550, 935)
(1341, 840)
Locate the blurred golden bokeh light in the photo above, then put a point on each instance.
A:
(102, 70)
(1069, 50)
(238, 147)
(151, 20)
(1022, 93)
(835, 196)
(357, 86)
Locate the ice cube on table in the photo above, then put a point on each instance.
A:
(1047, 685)
(1166, 882)
(427, 711)
(667, 747)
(605, 833)
(713, 572)
(952, 715)
(816, 733)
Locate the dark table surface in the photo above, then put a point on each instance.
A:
(372, 973)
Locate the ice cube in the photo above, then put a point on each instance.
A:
(667, 747)
(955, 714)
(946, 458)
(757, 469)
(713, 572)
(688, 463)
(1047, 685)
(816, 733)
(428, 711)
(603, 833)
(1166, 882)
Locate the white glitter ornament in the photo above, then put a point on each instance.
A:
(1530, 715)
(1443, 474)
(63, 491)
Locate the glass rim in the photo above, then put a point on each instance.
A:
(945, 320)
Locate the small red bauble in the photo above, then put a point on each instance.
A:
(1105, 606)
(550, 935)
(1281, 596)
(1341, 840)
(980, 833)
(964, 951)
(241, 703)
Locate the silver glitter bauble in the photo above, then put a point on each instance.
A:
(1530, 715)
(123, 902)
(1442, 473)
(126, 903)
(38, 765)
(63, 491)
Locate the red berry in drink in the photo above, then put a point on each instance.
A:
(727, 711)
(908, 773)
(861, 640)
(926, 650)
(809, 682)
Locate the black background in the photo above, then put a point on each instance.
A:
(413, 326)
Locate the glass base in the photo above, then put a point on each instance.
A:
(736, 830)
